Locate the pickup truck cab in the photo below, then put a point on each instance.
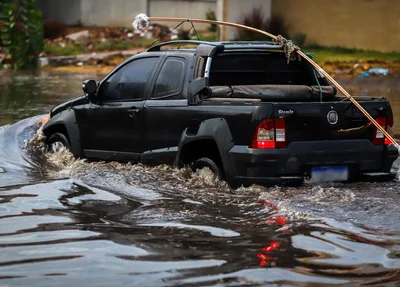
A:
(238, 108)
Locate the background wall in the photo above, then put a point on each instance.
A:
(363, 24)
(68, 12)
(182, 8)
(111, 13)
(121, 12)
(237, 9)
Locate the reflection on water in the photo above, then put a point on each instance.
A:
(70, 222)
(26, 94)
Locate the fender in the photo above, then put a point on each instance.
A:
(67, 119)
(216, 129)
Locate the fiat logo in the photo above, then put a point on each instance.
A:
(332, 117)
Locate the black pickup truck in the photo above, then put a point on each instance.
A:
(238, 108)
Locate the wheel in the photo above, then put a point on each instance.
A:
(206, 162)
(57, 141)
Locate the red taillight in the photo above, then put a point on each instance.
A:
(280, 133)
(270, 134)
(379, 138)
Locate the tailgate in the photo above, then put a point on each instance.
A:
(330, 120)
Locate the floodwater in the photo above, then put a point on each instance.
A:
(67, 222)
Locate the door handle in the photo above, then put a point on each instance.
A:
(133, 111)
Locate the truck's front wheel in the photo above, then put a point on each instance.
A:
(57, 141)
(206, 162)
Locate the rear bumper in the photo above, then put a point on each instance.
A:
(274, 165)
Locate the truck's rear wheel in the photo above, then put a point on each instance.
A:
(206, 162)
(57, 141)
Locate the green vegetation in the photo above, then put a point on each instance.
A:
(21, 33)
(299, 39)
(58, 49)
(75, 48)
(275, 25)
(210, 15)
(207, 36)
(332, 54)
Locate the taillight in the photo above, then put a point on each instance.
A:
(379, 138)
(280, 133)
(270, 134)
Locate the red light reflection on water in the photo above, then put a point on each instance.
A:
(279, 220)
(269, 205)
(273, 246)
(264, 258)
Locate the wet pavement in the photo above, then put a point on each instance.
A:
(70, 222)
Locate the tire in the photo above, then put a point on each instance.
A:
(206, 162)
(56, 141)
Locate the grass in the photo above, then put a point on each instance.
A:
(207, 36)
(332, 54)
(55, 49)
(76, 48)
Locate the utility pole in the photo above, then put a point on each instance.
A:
(222, 15)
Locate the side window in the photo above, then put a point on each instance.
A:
(129, 82)
(170, 79)
(200, 65)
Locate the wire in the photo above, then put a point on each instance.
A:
(319, 85)
(166, 34)
(194, 29)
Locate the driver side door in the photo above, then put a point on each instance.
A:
(111, 128)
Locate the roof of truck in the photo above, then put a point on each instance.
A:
(231, 45)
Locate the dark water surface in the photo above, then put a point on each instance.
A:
(66, 222)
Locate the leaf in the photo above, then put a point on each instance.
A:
(22, 45)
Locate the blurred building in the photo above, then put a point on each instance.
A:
(362, 24)
(123, 12)
(120, 12)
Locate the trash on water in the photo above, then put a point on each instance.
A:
(375, 71)
(365, 75)
(378, 71)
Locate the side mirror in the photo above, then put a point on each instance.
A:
(89, 87)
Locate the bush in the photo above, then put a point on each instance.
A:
(210, 15)
(274, 25)
(21, 33)
(54, 29)
(300, 39)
